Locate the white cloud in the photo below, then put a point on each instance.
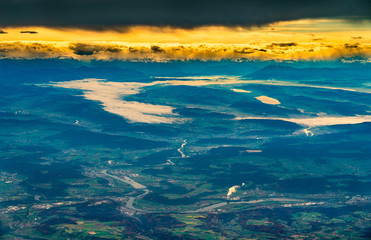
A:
(293, 84)
(240, 90)
(319, 121)
(111, 94)
(308, 132)
(232, 190)
(268, 100)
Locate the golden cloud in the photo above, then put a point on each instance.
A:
(166, 52)
(321, 39)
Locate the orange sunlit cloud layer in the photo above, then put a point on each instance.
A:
(320, 39)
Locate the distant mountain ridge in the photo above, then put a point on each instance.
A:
(291, 73)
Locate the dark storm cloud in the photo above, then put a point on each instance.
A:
(156, 49)
(29, 32)
(184, 13)
(288, 44)
(83, 49)
(351, 46)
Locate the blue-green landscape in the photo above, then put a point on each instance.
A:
(185, 149)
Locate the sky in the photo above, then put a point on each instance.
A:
(184, 30)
